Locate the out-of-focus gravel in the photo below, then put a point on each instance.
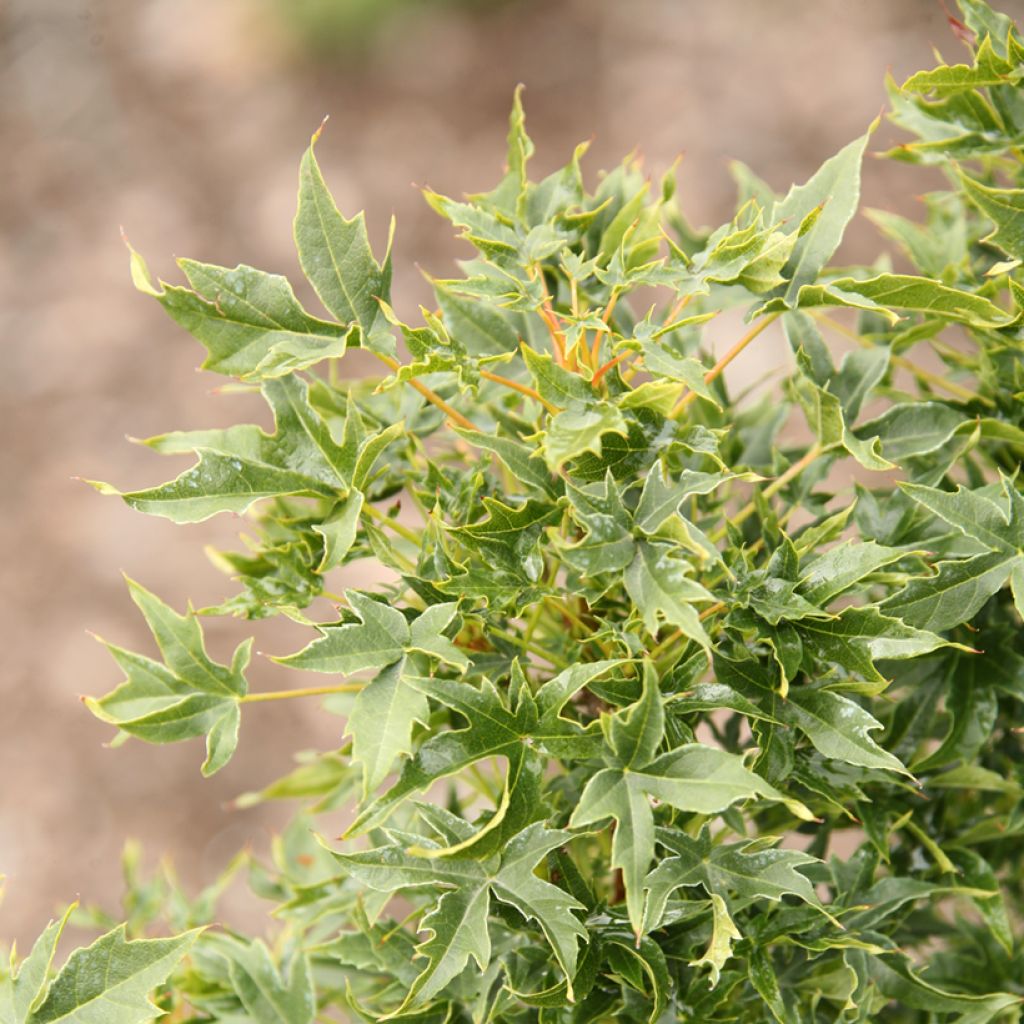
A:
(184, 121)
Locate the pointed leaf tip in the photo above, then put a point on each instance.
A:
(108, 490)
(314, 138)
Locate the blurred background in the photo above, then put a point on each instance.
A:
(184, 121)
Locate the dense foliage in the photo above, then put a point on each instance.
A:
(684, 704)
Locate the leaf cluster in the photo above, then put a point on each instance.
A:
(680, 702)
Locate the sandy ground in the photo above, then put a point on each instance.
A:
(184, 120)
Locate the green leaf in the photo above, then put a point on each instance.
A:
(388, 707)
(977, 873)
(662, 497)
(898, 982)
(270, 995)
(723, 934)
(906, 292)
(713, 696)
(302, 438)
(835, 187)
(660, 586)
(111, 980)
(608, 545)
(458, 924)
(560, 736)
(828, 422)
(184, 696)
(936, 247)
(748, 253)
(23, 987)
(517, 457)
(370, 450)
(339, 531)
(495, 730)
(824, 578)
(704, 780)
(750, 185)
(742, 870)
(498, 729)
(433, 351)
(693, 778)
(989, 69)
(457, 930)
(636, 735)
(217, 483)
(381, 724)
(242, 464)
(537, 900)
(892, 894)
(250, 322)
(612, 794)
(839, 728)
(994, 518)
(377, 640)
(426, 636)
(764, 980)
(555, 384)
(335, 256)
(626, 217)
(986, 22)
(858, 637)
(755, 873)
(483, 329)
(508, 533)
(575, 431)
(659, 362)
(954, 594)
(913, 428)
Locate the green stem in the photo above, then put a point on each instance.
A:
(559, 608)
(564, 609)
(534, 619)
(945, 865)
(414, 913)
(386, 520)
(528, 645)
(812, 453)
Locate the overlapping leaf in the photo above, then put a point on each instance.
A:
(993, 518)
(693, 777)
(458, 924)
(388, 707)
(111, 980)
(240, 465)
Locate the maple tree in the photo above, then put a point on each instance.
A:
(682, 704)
